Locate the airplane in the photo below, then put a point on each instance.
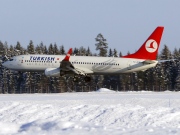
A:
(59, 65)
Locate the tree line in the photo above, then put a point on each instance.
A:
(165, 76)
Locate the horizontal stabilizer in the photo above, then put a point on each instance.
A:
(160, 61)
(149, 61)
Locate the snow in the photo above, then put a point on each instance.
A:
(104, 90)
(103, 112)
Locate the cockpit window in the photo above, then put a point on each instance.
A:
(11, 60)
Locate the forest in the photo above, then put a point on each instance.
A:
(165, 76)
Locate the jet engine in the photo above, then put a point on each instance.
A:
(54, 72)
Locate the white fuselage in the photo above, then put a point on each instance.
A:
(98, 65)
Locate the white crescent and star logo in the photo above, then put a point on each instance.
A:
(151, 45)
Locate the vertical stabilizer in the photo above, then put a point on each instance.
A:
(150, 47)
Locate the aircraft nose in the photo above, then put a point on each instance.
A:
(4, 64)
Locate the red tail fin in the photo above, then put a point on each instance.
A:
(150, 47)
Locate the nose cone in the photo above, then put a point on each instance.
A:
(4, 64)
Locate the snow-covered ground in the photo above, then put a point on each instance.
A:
(103, 112)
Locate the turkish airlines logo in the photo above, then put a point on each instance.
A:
(151, 45)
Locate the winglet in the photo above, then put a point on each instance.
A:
(68, 55)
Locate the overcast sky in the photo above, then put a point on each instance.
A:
(74, 23)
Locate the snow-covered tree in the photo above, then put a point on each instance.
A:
(110, 53)
(30, 48)
(18, 48)
(62, 51)
(115, 53)
(101, 45)
(51, 49)
(88, 52)
(56, 50)
(120, 54)
(38, 49)
(177, 78)
(82, 51)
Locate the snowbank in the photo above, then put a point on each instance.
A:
(90, 113)
(104, 90)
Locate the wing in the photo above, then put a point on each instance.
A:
(66, 65)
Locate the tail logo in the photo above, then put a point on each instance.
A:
(151, 45)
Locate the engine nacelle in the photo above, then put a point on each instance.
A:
(55, 72)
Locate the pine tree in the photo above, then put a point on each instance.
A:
(18, 48)
(120, 54)
(128, 53)
(30, 48)
(176, 54)
(11, 83)
(62, 51)
(166, 66)
(88, 52)
(166, 53)
(1, 48)
(76, 51)
(5, 81)
(56, 50)
(43, 49)
(6, 49)
(177, 77)
(110, 53)
(38, 49)
(82, 51)
(51, 49)
(160, 75)
(175, 72)
(115, 53)
(101, 45)
(12, 51)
